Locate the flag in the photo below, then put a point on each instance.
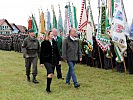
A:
(60, 24)
(29, 23)
(75, 23)
(41, 27)
(67, 25)
(103, 40)
(118, 29)
(70, 19)
(48, 21)
(90, 27)
(42, 23)
(110, 9)
(83, 18)
(34, 26)
(54, 18)
(131, 30)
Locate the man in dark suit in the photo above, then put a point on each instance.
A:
(59, 45)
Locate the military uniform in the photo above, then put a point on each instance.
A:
(31, 49)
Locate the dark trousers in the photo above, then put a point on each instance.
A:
(58, 70)
(28, 62)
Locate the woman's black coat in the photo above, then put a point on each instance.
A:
(49, 53)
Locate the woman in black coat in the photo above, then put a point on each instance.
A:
(49, 56)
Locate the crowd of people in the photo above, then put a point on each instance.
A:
(53, 49)
(10, 42)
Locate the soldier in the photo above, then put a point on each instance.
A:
(59, 45)
(31, 49)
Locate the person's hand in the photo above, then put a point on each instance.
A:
(41, 65)
(80, 59)
(26, 56)
(59, 62)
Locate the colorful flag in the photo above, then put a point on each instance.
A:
(42, 23)
(54, 18)
(90, 26)
(131, 30)
(102, 37)
(118, 29)
(41, 27)
(70, 19)
(75, 23)
(67, 25)
(34, 26)
(29, 23)
(48, 21)
(60, 24)
(83, 18)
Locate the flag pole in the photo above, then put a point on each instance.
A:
(100, 57)
(124, 64)
(112, 62)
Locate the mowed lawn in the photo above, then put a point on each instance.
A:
(96, 84)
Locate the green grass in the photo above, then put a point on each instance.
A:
(96, 84)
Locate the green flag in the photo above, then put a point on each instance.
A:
(75, 25)
(34, 26)
(54, 19)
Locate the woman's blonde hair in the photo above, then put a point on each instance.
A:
(47, 34)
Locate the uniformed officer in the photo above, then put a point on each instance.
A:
(31, 49)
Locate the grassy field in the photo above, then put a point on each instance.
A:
(96, 84)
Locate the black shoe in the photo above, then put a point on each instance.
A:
(48, 91)
(35, 81)
(61, 78)
(77, 86)
(28, 78)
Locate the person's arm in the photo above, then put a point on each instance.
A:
(39, 49)
(64, 49)
(24, 44)
(79, 51)
(42, 50)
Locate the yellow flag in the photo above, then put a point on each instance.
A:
(42, 23)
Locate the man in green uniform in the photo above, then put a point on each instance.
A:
(59, 45)
(31, 49)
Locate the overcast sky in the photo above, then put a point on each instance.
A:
(18, 11)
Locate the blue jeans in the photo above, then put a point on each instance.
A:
(71, 73)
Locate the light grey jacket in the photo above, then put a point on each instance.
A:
(71, 50)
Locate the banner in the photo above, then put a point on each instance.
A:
(54, 18)
(118, 28)
(60, 24)
(103, 39)
(48, 21)
(83, 18)
(34, 26)
(90, 27)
